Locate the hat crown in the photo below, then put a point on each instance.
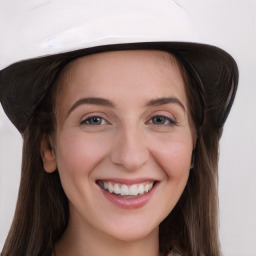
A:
(32, 28)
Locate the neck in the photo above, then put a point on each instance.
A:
(86, 241)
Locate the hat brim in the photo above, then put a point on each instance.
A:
(216, 69)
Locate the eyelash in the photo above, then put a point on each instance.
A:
(85, 121)
(171, 122)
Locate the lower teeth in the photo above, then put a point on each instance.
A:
(128, 196)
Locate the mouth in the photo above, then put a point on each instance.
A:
(127, 190)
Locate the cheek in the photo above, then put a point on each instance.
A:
(79, 153)
(174, 156)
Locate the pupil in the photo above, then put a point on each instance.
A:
(96, 120)
(159, 120)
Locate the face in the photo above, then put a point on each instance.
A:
(123, 141)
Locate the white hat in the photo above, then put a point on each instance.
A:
(45, 28)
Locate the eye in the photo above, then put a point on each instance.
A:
(94, 120)
(162, 120)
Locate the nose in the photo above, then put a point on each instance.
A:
(130, 149)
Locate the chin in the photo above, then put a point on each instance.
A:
(132, 228)
(134, 235)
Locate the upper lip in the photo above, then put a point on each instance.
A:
(127, 181)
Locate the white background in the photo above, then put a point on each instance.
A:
(230, 24)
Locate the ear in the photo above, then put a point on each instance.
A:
(48, 155)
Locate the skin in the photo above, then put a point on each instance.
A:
(126, 143)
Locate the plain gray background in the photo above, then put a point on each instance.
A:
(230, 24)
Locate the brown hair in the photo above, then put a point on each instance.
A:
(42, 211)
(192, 226)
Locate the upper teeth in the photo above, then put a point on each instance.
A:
(126, 190)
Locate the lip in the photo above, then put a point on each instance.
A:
(129, 203)
(128, 181)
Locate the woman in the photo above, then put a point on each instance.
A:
(121, 111)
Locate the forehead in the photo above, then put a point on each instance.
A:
(101, 62)
(141, 74)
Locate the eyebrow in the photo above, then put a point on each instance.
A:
(164, 101)
(109, 103)
(92, 101)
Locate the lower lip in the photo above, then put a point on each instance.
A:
(129, 203)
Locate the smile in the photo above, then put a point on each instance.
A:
(127, 191)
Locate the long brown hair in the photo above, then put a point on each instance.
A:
(42, 213)
(192, 226)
